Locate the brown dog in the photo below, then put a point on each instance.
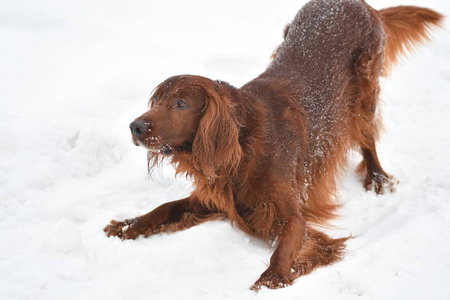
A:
(266, 155)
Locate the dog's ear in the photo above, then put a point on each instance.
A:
(216, 149)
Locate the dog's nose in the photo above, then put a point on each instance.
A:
(138, 127)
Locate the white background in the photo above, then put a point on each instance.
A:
(74, 74)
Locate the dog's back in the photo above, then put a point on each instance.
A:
(332, 57)
(322, 39)
(322, 47)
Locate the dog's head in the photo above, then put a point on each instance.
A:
(191, 114)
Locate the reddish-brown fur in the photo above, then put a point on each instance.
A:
(267, 155)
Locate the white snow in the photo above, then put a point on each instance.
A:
(74, 74)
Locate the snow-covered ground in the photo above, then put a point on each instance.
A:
(74, 74)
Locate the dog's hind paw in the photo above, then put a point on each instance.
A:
(381, 183)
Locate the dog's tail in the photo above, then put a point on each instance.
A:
(406, 27)
(318, 250)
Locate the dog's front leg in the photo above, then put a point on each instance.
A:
(171, 216)
(290, 242)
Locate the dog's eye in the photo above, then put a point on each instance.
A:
(181, 104)
(155, 99)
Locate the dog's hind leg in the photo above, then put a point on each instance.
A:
(366, 72)
(376, 178)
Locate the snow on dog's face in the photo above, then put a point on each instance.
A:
(171, 123)
(194, 115)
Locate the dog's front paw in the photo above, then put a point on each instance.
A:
(114, 228)
(124, 230)
(381, 183)
(272, 280)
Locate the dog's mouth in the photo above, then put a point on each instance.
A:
(154, 144)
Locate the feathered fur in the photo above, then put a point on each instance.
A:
(406, 27)
(268, 155)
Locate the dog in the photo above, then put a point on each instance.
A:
(266, 156)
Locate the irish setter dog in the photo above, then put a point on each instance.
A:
(267, 155)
